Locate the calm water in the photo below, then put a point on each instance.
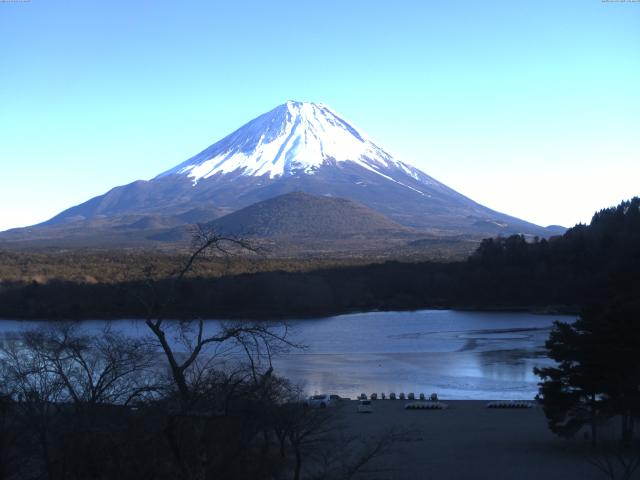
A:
(459, 355)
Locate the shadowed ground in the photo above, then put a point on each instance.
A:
(470, 441)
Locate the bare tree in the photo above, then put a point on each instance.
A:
(38, 395)
(307, 429)
(615, 460)
(345, 456)
(108, 368)
(222, 372)
(616, 464)
(322, 447)
(258, 340)
(11, 435)
(67, 388)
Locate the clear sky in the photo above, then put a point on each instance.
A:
(529, 107)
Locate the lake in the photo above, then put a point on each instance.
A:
(456, 354)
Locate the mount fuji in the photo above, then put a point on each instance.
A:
(294, 138)
(296, 147)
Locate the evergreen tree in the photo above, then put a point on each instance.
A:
(597, 375)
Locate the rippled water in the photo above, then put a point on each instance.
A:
(458, 355)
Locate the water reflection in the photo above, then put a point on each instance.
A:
(512, 365)
(465, 355)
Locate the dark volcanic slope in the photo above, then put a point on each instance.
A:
(302, 214)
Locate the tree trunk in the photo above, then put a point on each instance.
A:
(627, 429)
(44, 444)
(171, 434)
(176, 371)
(2, 458)
(266, 445)
(296, 475)
(594, 425)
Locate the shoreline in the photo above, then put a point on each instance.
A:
(534, 310)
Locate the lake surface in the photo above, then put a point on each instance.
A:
(458, 355)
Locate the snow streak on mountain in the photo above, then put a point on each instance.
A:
(293, 138)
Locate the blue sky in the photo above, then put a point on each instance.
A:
(531, 108)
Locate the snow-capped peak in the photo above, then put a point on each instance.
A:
(295, 137)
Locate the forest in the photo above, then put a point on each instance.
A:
(589, 264)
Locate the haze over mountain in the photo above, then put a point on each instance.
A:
(296, 147)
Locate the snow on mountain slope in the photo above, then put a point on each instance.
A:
(296, 137)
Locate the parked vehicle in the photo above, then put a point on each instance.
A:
(321, 401)
(364, 406)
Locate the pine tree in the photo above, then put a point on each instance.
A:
(597, 375)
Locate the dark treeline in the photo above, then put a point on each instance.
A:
(588, 264)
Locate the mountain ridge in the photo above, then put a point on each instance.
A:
(298, 146)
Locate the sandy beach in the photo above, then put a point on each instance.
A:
(470, 441)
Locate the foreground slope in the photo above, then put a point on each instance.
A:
(301, 223)
(302, 214)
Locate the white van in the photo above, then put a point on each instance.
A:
(364, 406)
